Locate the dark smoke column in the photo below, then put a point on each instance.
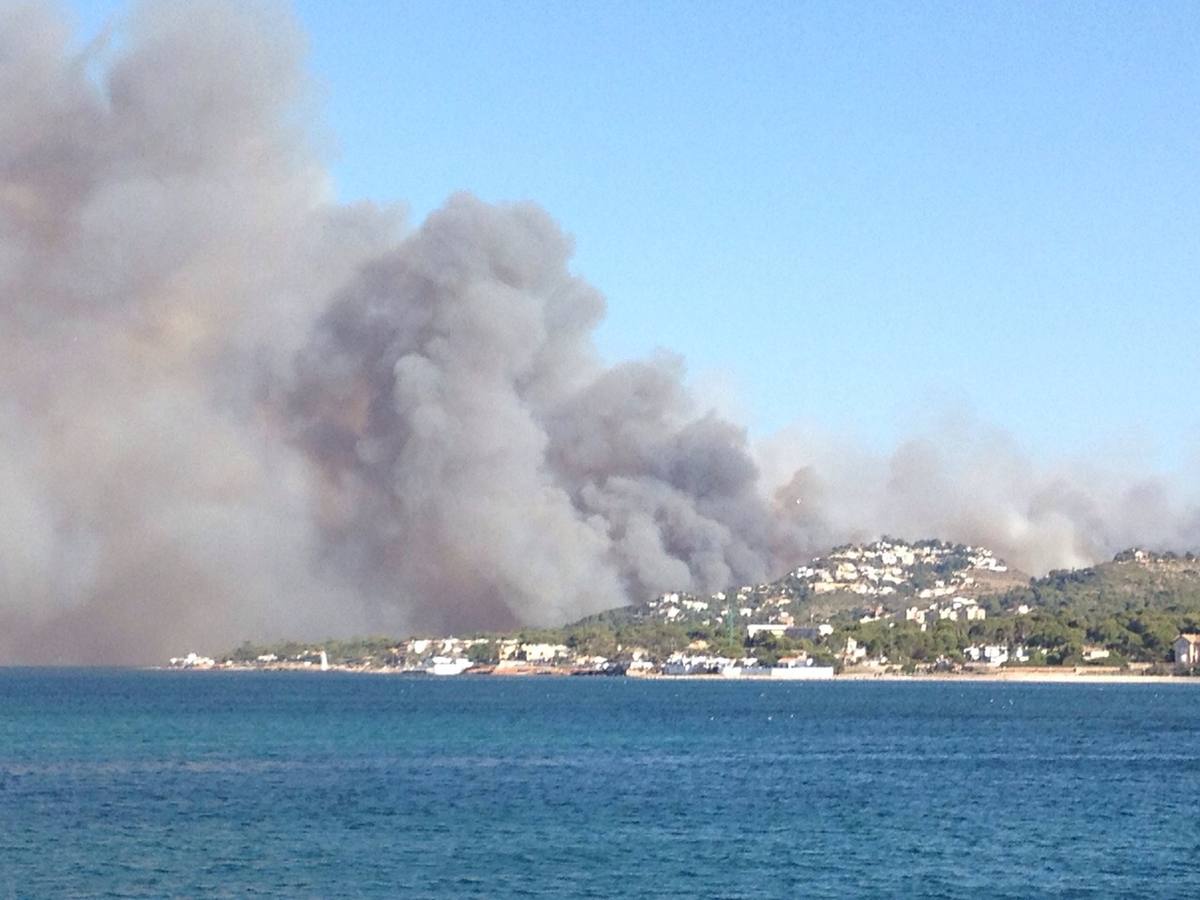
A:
(477, 464)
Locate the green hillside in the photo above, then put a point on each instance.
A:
(1134, 580)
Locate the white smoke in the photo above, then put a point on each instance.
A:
(967, 482)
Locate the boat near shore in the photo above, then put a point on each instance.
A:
(445, 665)
(780, 673)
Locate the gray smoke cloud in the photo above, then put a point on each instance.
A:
(231, 407)
(478, 462)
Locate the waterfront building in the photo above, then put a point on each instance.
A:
(1187, 650)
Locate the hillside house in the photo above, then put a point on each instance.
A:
(854, 651)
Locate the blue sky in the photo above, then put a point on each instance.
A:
(857, 216)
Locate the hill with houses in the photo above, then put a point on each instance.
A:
(888, 605)
(888, 575)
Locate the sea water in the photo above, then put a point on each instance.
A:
(157, 784)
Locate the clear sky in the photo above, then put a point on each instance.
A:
(855, 215)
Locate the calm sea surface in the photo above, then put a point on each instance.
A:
(120, 783)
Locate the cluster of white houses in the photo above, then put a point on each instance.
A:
(879, 569)
(958, 609)
(875, 571)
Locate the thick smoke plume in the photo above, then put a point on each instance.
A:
(232, 408)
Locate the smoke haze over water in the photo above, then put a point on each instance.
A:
(232, 408)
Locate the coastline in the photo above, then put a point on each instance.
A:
(1035, 677)
(947, 677)
(1041, 675)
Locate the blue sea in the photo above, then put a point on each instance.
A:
(161, 784)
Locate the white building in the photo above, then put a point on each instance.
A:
(540, 653)
(992, 654)
(854, 652)
(685, 664)
(995, 654)
(1187, 650)
(192, 661)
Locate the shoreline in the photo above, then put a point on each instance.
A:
(1031, 678)
(1025, 676)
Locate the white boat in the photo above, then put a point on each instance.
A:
(802, 673)
(444, 665)
(786, 673)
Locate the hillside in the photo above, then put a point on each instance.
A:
(886, 576)
(1133, 580)
(933, 603)
(920, 606)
